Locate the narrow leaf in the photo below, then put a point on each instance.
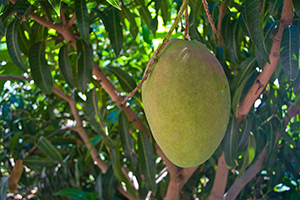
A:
(233, 42)
(2, 29)
(133, 26)
(114, 3)
(23, 42)
(126, 81)
(244, 135)
(37, 161)
(83, 19)
(4, 187)
(74, 193)
(49, 150)
(145, 14)
(40, 70)
(15, 175)
(64, 65)
(117, 168)
(165, 11)
(127, 139)
(289, 53)
(251, 148)
(85, 63)
(297, 7)
(13, 46)
(14, 140)
(110, 184)
(230, 142)
(56, 6)
(252, 17)
(147, 161)
(274, 6)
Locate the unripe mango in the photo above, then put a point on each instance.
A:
(186, 100)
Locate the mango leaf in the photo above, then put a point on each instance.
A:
(230, 142)
(296, 85)
(22, 8)
(226, 24)
(39, 68)
(127, 139)
(244, 135)
(83, 19)
(38, 33)
(289, 53)
(145, 14)
(2, 29)
(196, 7)
(297, 7)
(56, 6)
(85, 63)
(2, 4)
(49, 150)
(133, 26)
(23, 42)
(127, 82)
(117, 168)
(74, 193)
(165, 11)
(252, 17)
(249, 154)
(4, 187)
(14, 140)
(110, 184)
(233, 42)
(114, 3)
(147, 161)
(13, 46)
(64, 65)
(274, 6)
(38, 161)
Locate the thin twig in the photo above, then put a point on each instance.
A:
(187, 26)
(222, 13)
(156, 54)
(14, 77)
(209, 16)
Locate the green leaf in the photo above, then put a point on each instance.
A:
(134, 30)
(289, 53)
(49, 150)
(13, 46)
(248, 155)
(274, 6)
(2, 29)
(23, 42)
(38, 33)
(95, 117)
(296, 85)
(297, 7)
(244, 135)
(4, 187)
(117, 168)
(64, 65)
(126, 81)
(85, 63)
(2, 4)
(38, 161)
(114, 3)
(109, 183)
(74, 193)
(226, 24)
(22, 8)
(147, 161)
(127, 139)
(39, 68)
(56, 6)
(145, 14)
(165, 13)
(233, 41)
(230, 142)
(83, 19)
(14, 141)
(252, 17)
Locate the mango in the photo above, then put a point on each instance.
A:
(186, 100)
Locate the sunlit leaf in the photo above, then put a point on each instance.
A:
(114, 3)
(74, 193)
(83, 19)
(127, 139)
(49, 149)
(13, 46)
(130, 16)
(289, 53)
(39, 68)
(56, 6)
(252, 17)
(64, 65)
(85, 63)
(147, 161)
(230, 143)
(126, 81)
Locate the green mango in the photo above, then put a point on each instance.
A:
(186, 100)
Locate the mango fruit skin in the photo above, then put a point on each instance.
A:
(186, 100)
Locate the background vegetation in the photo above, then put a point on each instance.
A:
(66, 66)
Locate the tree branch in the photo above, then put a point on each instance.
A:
(14, 77)
(222, 13)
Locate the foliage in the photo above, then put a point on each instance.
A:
(65, 67)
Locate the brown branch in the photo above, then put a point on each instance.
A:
(72, 20)
(209, 16)
(14, 77)
(63, 16)
(80, 130)
(263, 78)
(222, 13)
(187, 26)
